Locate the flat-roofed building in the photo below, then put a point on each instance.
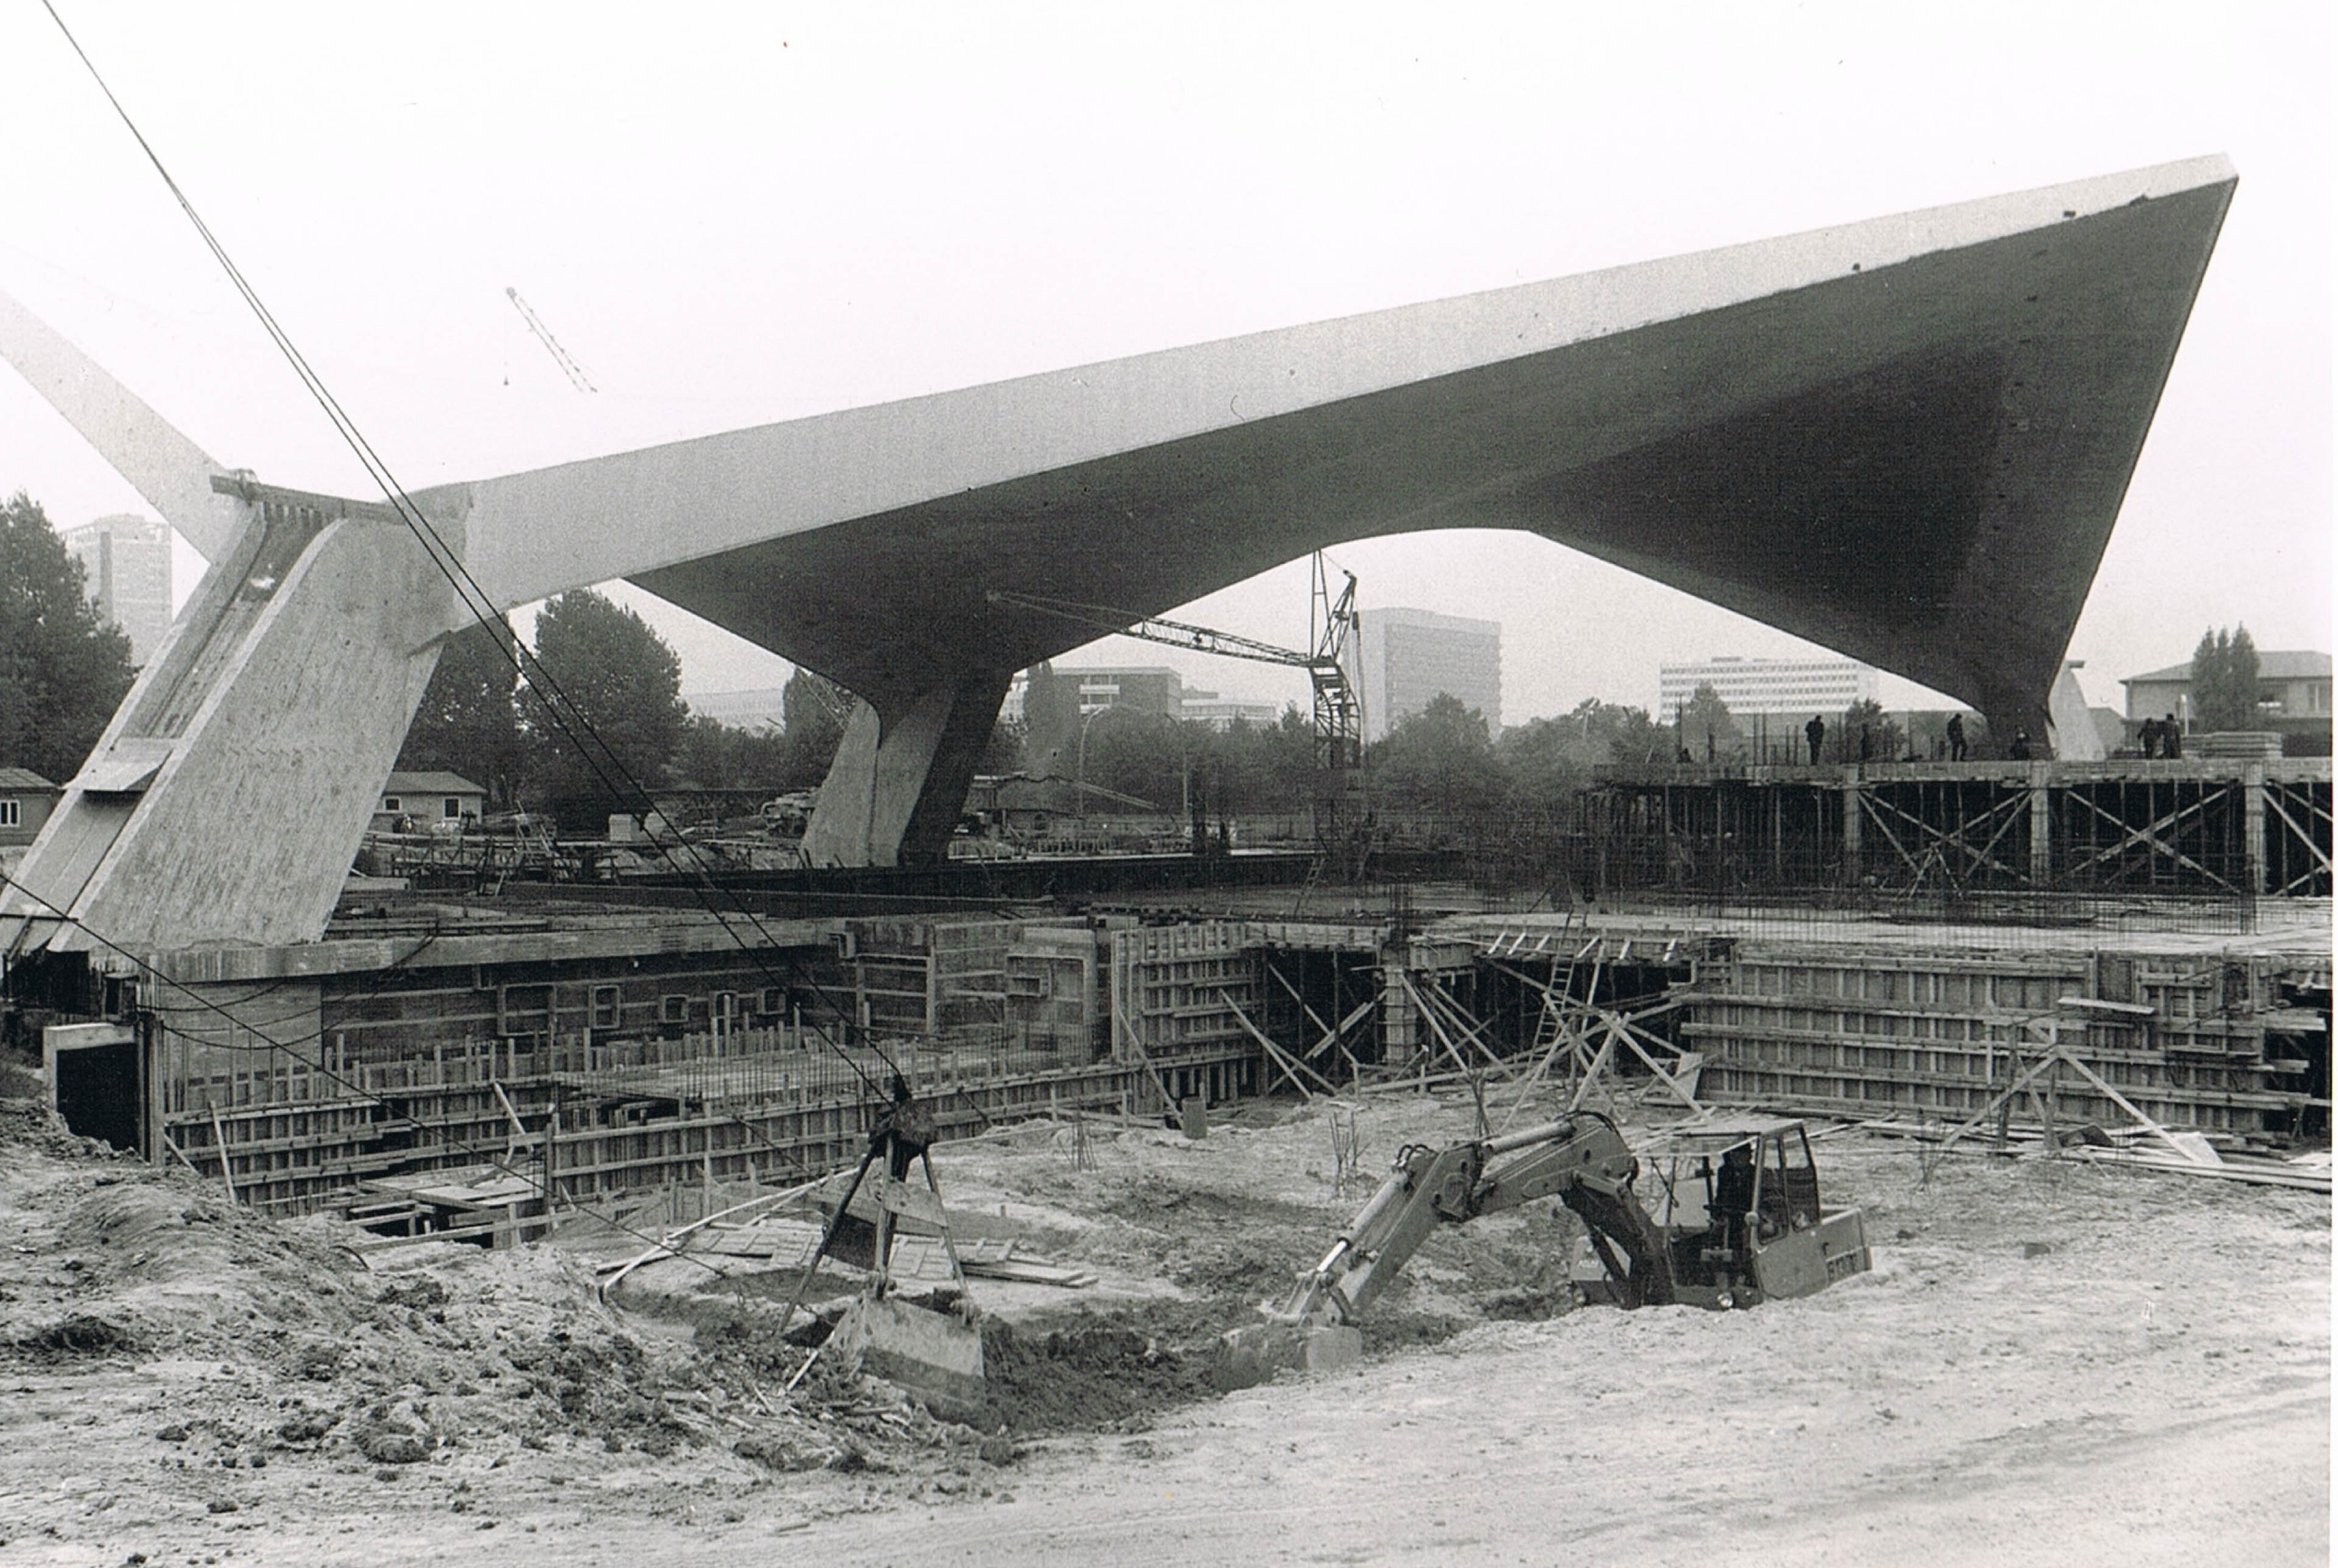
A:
(2292, 697)
(1407, 658)
(1224, 712)
(1821, 685)
(125, 563)
(1150, 687)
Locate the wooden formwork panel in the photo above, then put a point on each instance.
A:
(293, 1154)
(1177, 987)
(2180, 1035)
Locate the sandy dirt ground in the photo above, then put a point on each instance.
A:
(2050, 1364)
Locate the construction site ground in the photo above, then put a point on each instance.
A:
(2051, 1364)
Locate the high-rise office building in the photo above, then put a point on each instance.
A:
(126, 567)
(1406, 658)
(1824, 685)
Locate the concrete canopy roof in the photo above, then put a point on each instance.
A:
(1905, 439)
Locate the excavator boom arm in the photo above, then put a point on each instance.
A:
(1582, 1161)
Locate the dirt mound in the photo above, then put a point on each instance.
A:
(27, 1122)
(83, 1334)
(1111, 1371)
(189, 1266)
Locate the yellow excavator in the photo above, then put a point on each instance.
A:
(1738, 1220)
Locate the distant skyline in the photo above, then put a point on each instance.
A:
(750, 215)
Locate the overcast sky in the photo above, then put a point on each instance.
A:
(766, 211)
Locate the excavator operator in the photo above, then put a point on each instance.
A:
(1732, 1196)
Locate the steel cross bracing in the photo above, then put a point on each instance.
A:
(1936, 841)
(2278, 799)
(2150, 836)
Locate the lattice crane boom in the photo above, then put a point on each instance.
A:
(1338, 713)
(560, 357)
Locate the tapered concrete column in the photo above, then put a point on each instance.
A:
(2252, 824)
(2042, 826)
(1853, 826)
(899, 783)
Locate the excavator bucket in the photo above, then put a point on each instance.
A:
(1254, 1354)
(935, 1357)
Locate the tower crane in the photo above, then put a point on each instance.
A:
(1339, 714)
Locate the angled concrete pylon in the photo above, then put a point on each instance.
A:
(1905, 439)
(224, 801)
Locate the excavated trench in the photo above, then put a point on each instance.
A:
(1114, 1366)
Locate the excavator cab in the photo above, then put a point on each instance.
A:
(1737, 1204)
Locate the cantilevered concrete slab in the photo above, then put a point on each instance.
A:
(1905, 439)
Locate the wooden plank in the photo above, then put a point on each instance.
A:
(1436, 1027)
(227, 1174)
(1282, 1058)
(2304, 1180)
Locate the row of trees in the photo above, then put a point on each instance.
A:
(62, 669)
(1443, 759)
(2224, 681)
(620, 722)
(621, 676)
(600, 714)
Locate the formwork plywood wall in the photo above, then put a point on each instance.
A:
(1936, 1036)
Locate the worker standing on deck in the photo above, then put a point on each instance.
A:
(1956, 738)
(1816, 732)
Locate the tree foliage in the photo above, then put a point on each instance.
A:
(1051, 719)
(1268, 768)
(1249, 769)
(63, 670)
(1704, 726)
(718, 756)
(1865, 734)
(468, 719)
(1598, 734)
(1003, 752)
(2224, 681)
(1439, 760)
(1544, 762)
(620, 682)
(813, 711)
(1136, 752)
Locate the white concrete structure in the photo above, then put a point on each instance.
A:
(1907, 439)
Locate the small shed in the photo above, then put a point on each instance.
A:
(26, 802)
(418, 802)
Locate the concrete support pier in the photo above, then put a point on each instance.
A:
(900, 779)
